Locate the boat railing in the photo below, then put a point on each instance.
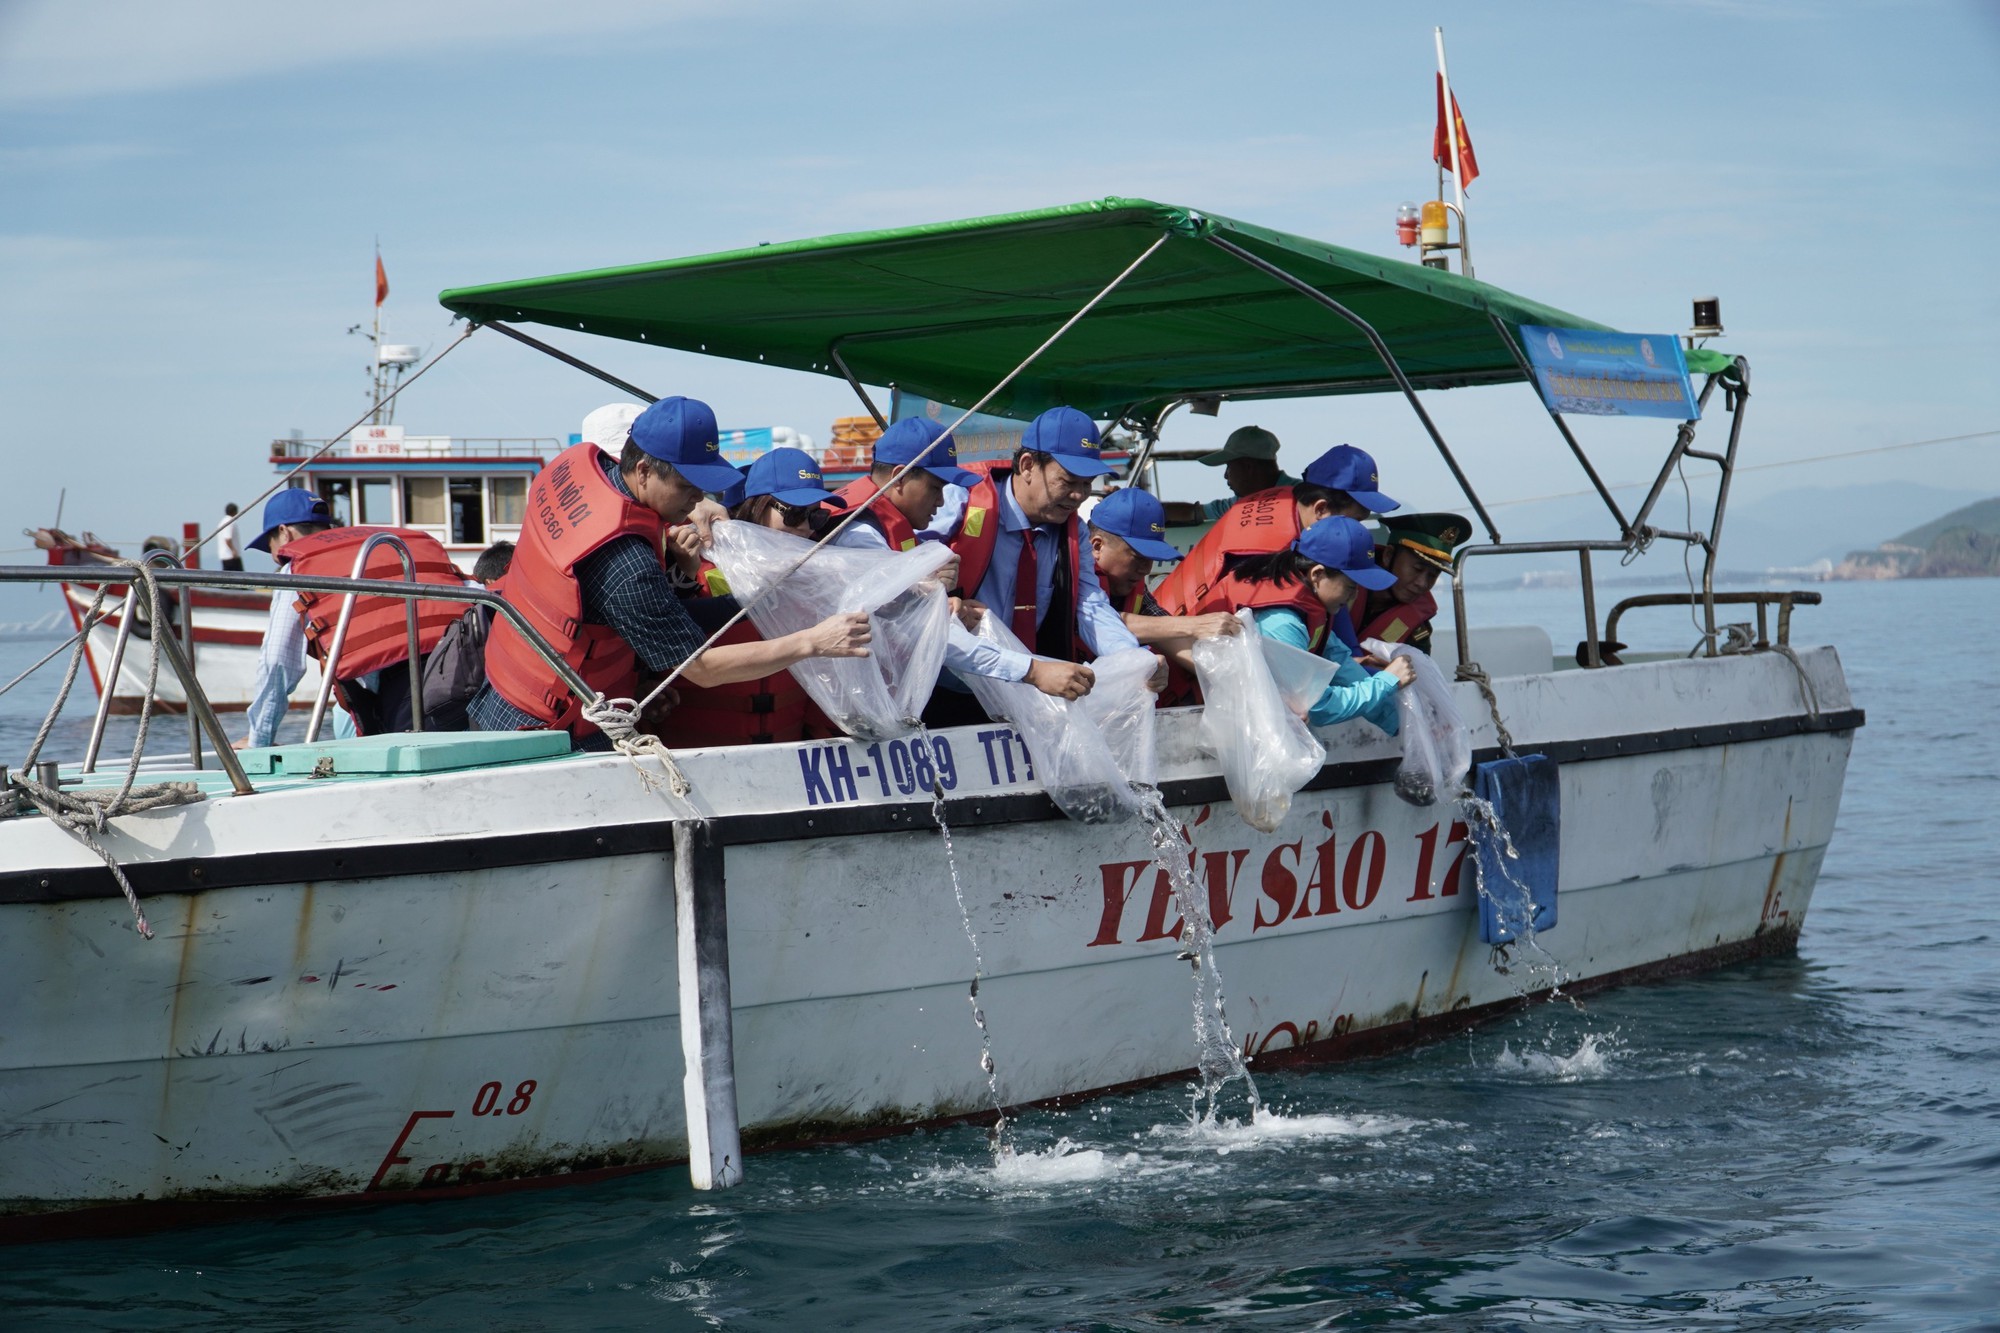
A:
(1783, 600)
(204, 720)
(418, 448)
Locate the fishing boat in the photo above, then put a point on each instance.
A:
(423, 966)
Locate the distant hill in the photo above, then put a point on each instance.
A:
(1963, 544)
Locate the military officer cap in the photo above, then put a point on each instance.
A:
(1432, 536)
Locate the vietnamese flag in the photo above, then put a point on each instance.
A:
(382, 279)
(1441, 147)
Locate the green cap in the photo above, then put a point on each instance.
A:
(1432, 536)
(1244, 442)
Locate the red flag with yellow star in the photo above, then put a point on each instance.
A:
(1441, 146)
(382, 281)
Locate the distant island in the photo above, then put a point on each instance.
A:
(1963, 544)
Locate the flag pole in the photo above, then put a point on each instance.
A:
(375, 341)
(1457, 168)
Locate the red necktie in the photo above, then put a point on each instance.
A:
(1024, 591)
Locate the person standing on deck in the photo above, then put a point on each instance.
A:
(1249, 463)
(373, 684)
(589, 574)
(228, 546)
(1340, 483)
(1022, 556)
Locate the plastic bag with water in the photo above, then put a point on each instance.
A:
(1087, 754)
(1437, 748)
(877, 697)
(1255, 694)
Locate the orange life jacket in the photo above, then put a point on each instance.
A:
(378, 633)
(573, 509)
(749, 712)
(862, 493)
(979, 534)
(1396, 624)
(1258, 524)
(1233, 592)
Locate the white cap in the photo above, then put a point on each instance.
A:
(608, 426)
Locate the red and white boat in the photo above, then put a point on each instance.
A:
(468, 493)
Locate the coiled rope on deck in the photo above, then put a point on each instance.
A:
(85, 814)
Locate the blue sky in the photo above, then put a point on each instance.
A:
(192, 193)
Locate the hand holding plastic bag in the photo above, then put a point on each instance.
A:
(1255, 724)
(1437, 748)
(1088, 753)
(877, 697)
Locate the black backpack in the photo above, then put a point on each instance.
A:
(455, 670)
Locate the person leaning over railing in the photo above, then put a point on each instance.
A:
(1339, 483)
(1022, 557)
(1128, 530)
(588, 574)
(1294, 594)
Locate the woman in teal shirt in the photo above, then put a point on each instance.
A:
(1326, 562)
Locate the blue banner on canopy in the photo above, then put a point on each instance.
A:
(1601, 374)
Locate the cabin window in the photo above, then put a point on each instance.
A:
(510, 501)
(468, 512)
(375, 501)
(338, 492)
(423, 502)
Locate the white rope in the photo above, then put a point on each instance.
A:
(1740, 642)
(618, 719)
(85, 814)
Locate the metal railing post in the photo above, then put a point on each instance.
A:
(225, 753)
(110, 679)
(1592, 656)
(1382, 351)
(332, 658)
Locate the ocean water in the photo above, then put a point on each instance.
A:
(1798, 1143)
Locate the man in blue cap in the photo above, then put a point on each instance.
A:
(1128, 531)
(588, 574)
(894, 514)
(281, 659)
(1022, 557)
(1340, 483)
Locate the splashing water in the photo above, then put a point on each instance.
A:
(986, 1064)
(1218, 1060)
(1590, 1060)
(1540, 969)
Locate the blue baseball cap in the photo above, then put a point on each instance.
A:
(1138, 519)
(294, 504)
(1071, 436)
(681, 432)
(905, 441)
(1343, 544)
(1345, 468)
(788, 475)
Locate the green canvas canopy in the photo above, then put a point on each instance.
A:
(946, 310)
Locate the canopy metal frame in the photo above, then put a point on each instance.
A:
(1635, 534)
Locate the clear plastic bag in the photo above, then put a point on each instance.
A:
(1437, 748)
(1254, 724)
(1087, 754)
(877, 697)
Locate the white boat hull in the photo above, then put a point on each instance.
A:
(228, 632)
(408, 986)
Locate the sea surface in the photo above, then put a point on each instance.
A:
(1799, 1143)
